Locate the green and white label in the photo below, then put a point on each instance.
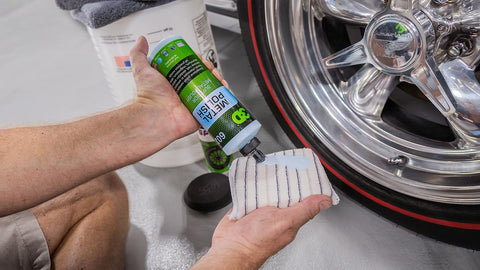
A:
(211, 103)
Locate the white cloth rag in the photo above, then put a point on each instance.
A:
(282, 180)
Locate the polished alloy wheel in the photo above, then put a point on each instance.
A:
(389, 89)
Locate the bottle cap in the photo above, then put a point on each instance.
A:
(251, 149)
(208, 192)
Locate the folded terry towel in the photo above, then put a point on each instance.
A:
(98, 14)
(282, 180)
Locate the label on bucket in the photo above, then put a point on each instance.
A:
(211, 103)
(215, 158)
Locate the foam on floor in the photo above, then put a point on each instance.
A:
(147, 245)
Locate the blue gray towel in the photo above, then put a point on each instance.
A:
(73, 4)
(76, 4)
(95, 13)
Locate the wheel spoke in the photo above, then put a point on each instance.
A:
(456, 95)
(353, 55)
(431, 82)
(466, 92)
(354, 11)
(402, 5)
(367, 91)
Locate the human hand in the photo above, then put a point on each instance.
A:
(248, 242)
(157, 96)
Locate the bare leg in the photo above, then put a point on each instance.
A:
(86, 227)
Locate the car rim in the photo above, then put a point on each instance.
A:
(404, 61)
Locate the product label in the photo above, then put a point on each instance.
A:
(223, 131)
(170, 55)
(194, 92)
(211, 103)
(185, 71)
(214, 106)
(202, 33)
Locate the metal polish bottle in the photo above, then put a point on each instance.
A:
(209, 101)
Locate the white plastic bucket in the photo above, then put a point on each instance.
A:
(113, 42)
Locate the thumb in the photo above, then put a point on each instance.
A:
(138, 55)
(300, 213)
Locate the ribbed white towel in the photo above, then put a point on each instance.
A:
(282, 180)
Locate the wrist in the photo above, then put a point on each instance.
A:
(153, 122)
(169, 118)
(142, 131)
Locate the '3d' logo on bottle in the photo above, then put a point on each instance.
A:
(239, 116)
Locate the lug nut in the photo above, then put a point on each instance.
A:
(441, 27)
(460, 48)
(455, 51)
(473, 32)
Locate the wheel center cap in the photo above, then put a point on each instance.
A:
(394, 43)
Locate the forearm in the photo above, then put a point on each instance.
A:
(39, 163)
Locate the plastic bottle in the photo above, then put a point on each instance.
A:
(209, 101)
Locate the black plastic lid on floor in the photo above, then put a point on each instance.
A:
(208, 192)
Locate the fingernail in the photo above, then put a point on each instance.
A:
(324, 204)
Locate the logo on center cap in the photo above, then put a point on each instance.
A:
(392, 44)
(400, 28)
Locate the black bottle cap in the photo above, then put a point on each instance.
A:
(208, 192)
(251, 149)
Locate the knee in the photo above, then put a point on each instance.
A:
(114, 201)
(107, 192)
(103, 199)
(112, 186)
(113, 191)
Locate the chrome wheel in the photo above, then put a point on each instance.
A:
(400, 103)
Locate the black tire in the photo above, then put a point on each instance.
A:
(455, 224)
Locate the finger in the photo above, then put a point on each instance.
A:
(138, 55)
(215, 71)
(226, 219)
(225, 83)
(302, 212)
(227, 214)
(208, 64)
(217, 74)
